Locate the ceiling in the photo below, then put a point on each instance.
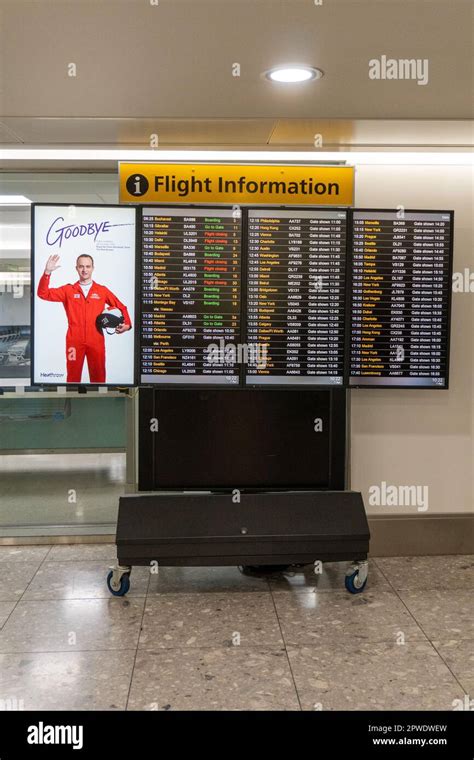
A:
(144, 68)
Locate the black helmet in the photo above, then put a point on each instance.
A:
(111, 318)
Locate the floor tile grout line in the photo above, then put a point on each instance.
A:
(332, 592)
(296, 644)
(411, 614)
(467, 587)
(157, 650)
(82, 561)
(385, 576)
(35, 573)
(132, 672)
(106, 598)
(328, 591)
(5, 562)
(22, 652)
(466, 691)
(133, 595)
(448, 667)
(156, 597)
(58, 599)
(160, 596)
(307, 643)
(16, 603)
(91, 561)
(428, 639)
(285, 647)
(9, 614)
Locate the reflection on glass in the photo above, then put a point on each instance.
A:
(15, 291)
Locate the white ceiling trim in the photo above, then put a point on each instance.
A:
(421, 157)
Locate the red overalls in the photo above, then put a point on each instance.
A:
(83, 340)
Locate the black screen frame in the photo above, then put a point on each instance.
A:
(148, 447)
(183, 385)
(393, 386)
(242, 384)
(295, 386)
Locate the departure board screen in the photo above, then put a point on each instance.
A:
(401, 297)
(296, 296)
(190, 298)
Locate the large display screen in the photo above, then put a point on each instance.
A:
(296, 296)
(190, 295)
(401, 296)
(83, 270)
(211, 438)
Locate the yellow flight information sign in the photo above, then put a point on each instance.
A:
(270, 184)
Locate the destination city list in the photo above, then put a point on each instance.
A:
(190, 294)
(296, 295)
(400, 298)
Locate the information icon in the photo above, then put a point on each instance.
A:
(137, 184)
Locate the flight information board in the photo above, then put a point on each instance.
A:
(401, 297)
(296, 296)
(190, 295)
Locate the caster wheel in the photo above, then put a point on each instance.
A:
(353, 583)
(121, 588)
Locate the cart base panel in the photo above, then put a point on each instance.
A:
(266, 528)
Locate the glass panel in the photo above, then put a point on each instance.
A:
(62, 460)
(15, 295)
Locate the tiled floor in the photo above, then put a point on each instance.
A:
(214, 638)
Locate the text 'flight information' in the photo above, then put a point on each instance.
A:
(190, 295)
(296, 296)
(401, 293)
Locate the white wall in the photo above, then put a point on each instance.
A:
(409, 437)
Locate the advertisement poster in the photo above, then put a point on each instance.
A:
(84, 295)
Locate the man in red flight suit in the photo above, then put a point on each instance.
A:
(83, 302)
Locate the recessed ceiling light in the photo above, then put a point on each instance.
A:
(293, 74)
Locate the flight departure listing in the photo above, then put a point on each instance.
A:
(401, 289)
(296, 296)
(190, 295)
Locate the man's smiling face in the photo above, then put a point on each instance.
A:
(84, 268)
